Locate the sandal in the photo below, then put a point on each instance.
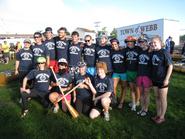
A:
(160, 120)
(120, 106)
(155, 118)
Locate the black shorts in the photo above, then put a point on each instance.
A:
(160, 85)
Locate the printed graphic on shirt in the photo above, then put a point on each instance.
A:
(37, 51)
(101, 87)
(89, 52)
(50, 45)
(117, 58)
(103, 53)
(74, 50)
(63, 82)
(155, 60)
(131, 55)
(26, 56)
(143, 59)
(61, 44)
(42, 77)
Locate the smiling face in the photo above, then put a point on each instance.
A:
(130, 44)
(156, 44)
(101, 72)
(115, 45)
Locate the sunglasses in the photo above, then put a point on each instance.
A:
(87, 40)
(36, 37)
(40, 63)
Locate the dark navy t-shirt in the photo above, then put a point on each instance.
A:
(89, 55)
(50, 44)
(144, 63)
(131, 58)
(103, 53)
(75, 54)
(118, 61)
(41, 79)
(62, 47)
(82, 93)
(160, 61)
(38, 51)
(103, 85)
(25, 58)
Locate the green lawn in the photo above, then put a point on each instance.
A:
(42, 123)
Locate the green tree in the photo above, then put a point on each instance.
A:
(113, 34)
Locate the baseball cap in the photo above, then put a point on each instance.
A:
(41, 60)
(27, 41)
(62, 60)
(37, 34)
(48, 29)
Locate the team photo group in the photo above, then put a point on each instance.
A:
(83, 77)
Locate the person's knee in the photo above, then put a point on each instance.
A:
(105, 101)
(94, 114)
(53, 97)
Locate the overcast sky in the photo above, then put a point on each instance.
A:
(28, 16)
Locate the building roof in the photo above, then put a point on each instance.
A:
(85, 30)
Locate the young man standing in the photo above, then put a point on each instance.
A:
(39, 49)
(89, 54)
(75, 53)
(62, 44)
(50, 44)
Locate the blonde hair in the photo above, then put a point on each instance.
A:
(102, 65)
(157, 38)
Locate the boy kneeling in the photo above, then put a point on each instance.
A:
(102, 92)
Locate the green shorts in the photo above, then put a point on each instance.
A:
(131, 76)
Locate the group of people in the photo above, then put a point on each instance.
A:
(97, 68)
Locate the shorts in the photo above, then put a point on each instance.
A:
(131, 76)
(160, 85)
(122, 76)
(144, 81)
(68, 97)
(91, 70)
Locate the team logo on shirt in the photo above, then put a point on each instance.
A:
(143, 59)
(74, 50)
(101, 87)
(155, 60)
(79, 81)
(26, 56)
(37, 51)
(42, 77)
(61, 44)
(50, 45)
(89, 52)
(117, 58)
(63, 82)
(131, 55)
(103, 53)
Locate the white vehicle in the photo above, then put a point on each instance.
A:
(162, 27)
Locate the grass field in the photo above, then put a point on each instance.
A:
(43, 124)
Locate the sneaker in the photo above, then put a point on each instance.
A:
(143, 113)
(133, 108)
(120, 106)
(55, 109)
(24, 113)
(130, 104)
(139, 112)
(106, 116)
(20, 100)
